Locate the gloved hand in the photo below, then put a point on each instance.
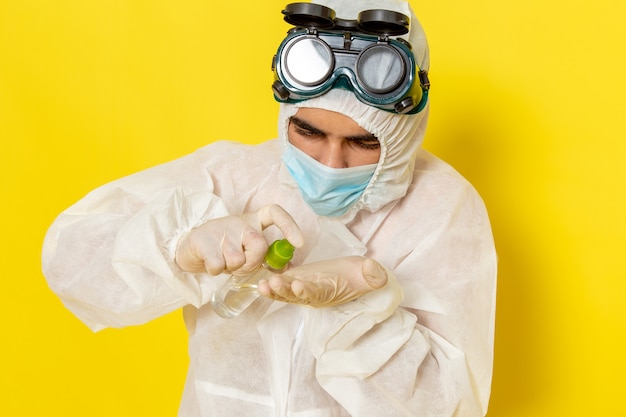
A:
(234, 244)
(326, 283)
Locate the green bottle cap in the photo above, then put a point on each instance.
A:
(279, 254)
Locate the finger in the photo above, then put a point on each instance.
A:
(274, 214)
(254, 248)
(214, 265)
(265, 290)
(263, 287)
(374, 273)
(300, 290)
(281, 288)
(233, 256)
(204, 256)
(314, 293)
(190, 256)
(305, 285)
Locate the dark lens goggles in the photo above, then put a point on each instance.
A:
(323, 52)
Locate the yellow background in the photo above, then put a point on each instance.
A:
(528, 102)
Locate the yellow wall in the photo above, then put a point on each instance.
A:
(527, 102)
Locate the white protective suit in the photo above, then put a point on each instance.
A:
(420, 346)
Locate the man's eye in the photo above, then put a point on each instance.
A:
(369, 145)
(304, 132)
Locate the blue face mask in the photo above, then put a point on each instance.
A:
(328, 191)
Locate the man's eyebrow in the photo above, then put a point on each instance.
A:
(367, 137)
(306, 126)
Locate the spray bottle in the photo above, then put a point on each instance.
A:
(239, 291)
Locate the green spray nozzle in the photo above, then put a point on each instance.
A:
(279, 254)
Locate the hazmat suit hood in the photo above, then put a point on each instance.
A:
(400, 136)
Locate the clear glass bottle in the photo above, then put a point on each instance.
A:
(239, 291)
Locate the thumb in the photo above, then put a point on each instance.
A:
(274, 214)
(374, 273)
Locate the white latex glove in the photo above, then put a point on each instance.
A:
(234, 244)
(326, 283)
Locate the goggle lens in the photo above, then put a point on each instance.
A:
(380, 69)
(309, 61)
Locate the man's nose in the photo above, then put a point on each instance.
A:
(334, 156)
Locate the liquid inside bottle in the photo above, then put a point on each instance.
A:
(238, 292)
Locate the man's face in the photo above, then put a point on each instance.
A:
(332, 139)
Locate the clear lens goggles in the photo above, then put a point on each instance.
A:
(323, 52)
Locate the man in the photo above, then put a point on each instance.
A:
(388, 306)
